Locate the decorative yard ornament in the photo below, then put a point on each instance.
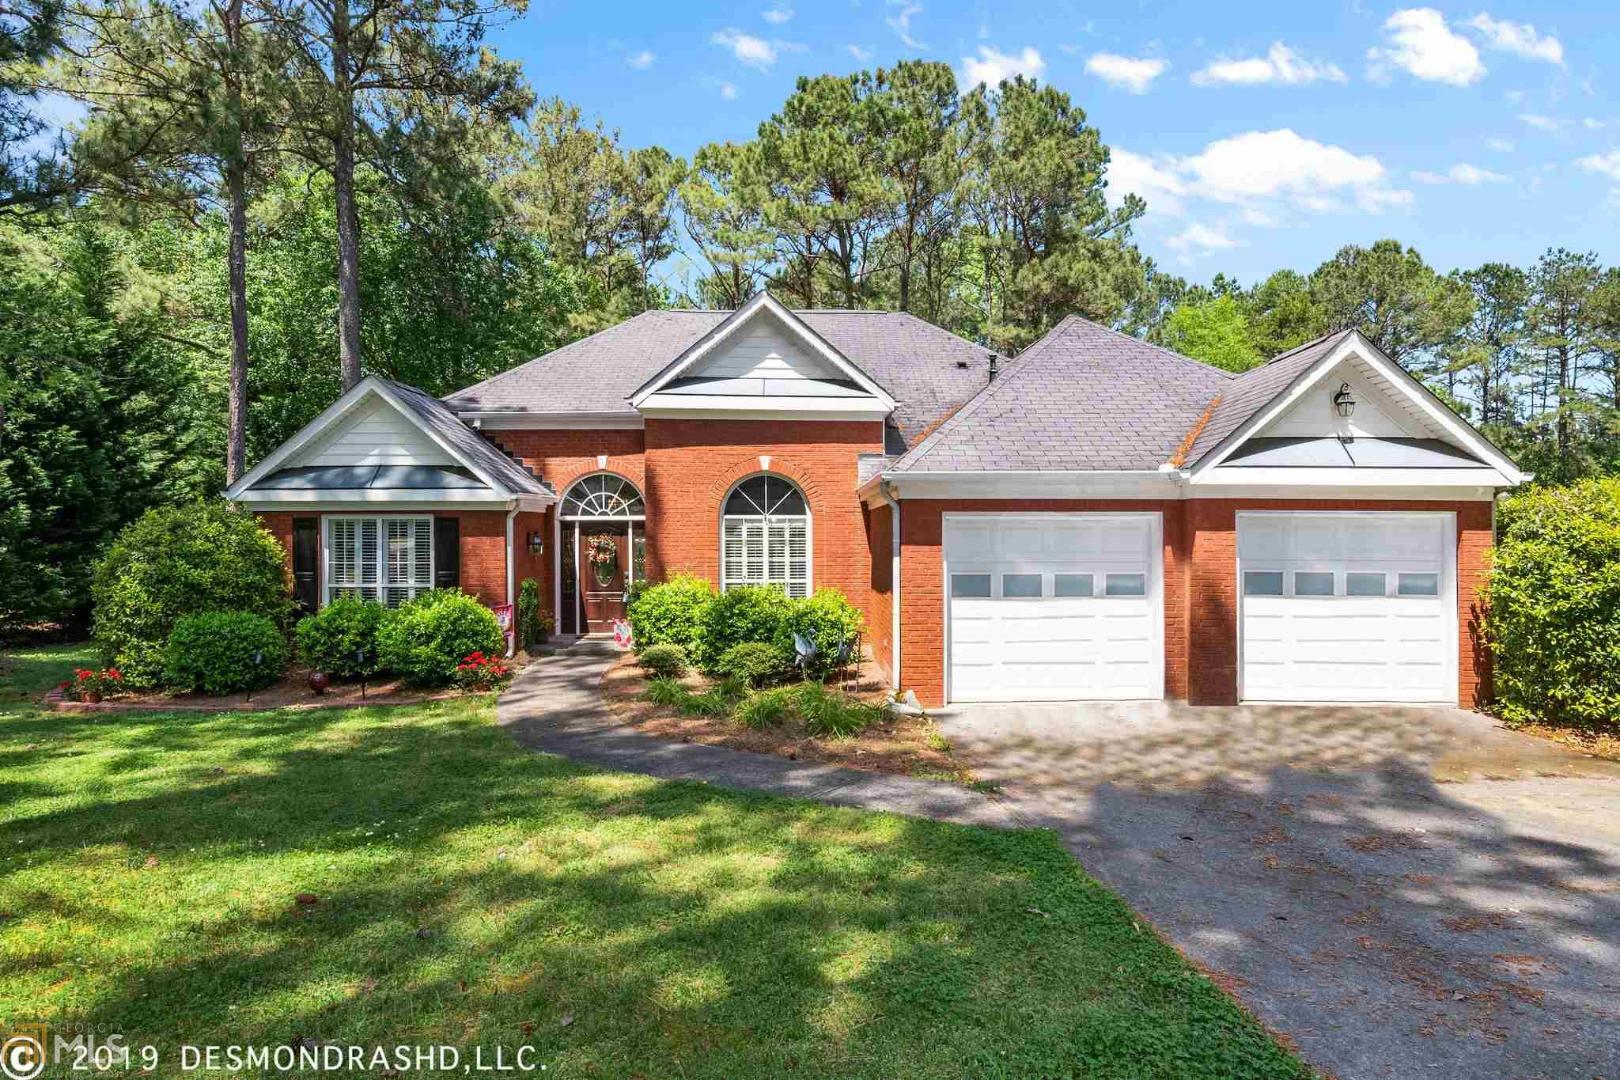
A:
(1344, 401)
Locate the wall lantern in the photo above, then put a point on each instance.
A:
(1344, 401)
(536, 544)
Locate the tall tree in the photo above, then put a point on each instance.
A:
(29, 33)
(651, 178)
(1282, 313)
(181, 103)
(1392, 296)
(1564, 336)
(1486, 354)
(359, 63)
(1215, 331)
(721, 209)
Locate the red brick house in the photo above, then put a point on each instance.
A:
(1096, 518)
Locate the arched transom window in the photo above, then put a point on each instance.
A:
(603, 495)
(765, 536)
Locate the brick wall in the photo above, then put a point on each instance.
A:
(483, 547)
(1200, 587)
(692, 464)
(878, 609)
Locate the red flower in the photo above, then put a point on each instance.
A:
(114, 674)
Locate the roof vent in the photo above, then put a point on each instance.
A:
(962, 364)
(995, 366)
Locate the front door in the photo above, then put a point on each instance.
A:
(604, 561)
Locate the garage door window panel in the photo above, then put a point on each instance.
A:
(1313, 583)
(1021, 586)
(1418, 585)
(1366, 583)
(1071, 585)
(970, 586)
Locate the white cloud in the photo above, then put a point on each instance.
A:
(1280, 65)
(1502, 146)
(860, 54)
(1265, 174)
(1540, 122)
(1134, 74)
(1520, 39)
(753, 51)
(1461, 173)
(1602, 164)
(1199, 239)
(900, 22)
(728, 90)
(1421, 44)
(641, 61)
(991, 66)
(1591, 123)
(778, 15)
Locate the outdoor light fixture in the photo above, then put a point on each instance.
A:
(537, 544)
(1344, 401)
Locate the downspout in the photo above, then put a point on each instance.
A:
(511, 578)
(886, 489)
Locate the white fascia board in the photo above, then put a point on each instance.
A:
(515, 420)
(720, 407)
(761, 301)
(1327, 479)
(1453, 492)
(1146, 484)
(460, 497)
(1396, 376)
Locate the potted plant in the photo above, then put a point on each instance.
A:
(90, 686)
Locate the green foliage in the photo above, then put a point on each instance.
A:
(831, 714)
(753, 662)
(219, 652)
(745, 613)
(1214, 331)
(423, 640)
(533, 624)
(666, 661)
(332, 639)
(176, 561)
(671, 613)
(765, 708)
(829, 621)
(1554, 606)
(666, 692)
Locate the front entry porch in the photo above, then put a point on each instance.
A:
(601, 553)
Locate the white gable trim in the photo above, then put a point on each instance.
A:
(728, 327)
(1415, 393)
(363, 391)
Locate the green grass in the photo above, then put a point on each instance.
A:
(475, 894)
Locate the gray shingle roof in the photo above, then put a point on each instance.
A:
(915, 361)
(1250, 392)
(442, 422)
(1082, 398)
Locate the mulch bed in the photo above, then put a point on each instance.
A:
(291, 691)
(1596, 743)
(902, 745)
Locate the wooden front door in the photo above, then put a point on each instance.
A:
(602, 578)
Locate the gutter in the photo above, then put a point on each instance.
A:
(885, 489)
(511, 577)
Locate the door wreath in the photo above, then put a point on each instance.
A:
(603, 552)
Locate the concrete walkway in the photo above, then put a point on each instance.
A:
(555, 705)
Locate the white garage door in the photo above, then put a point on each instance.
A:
(1053, 607)
(1348, 606)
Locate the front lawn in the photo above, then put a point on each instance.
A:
(456, 889)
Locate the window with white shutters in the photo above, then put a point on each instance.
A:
(388, 559)
(765, 536)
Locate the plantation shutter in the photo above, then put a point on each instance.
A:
(798, 558)
(446, 553)
(306, 553)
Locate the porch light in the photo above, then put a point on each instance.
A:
(536, 544)
(1344, 401)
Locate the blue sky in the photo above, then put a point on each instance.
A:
(1263, 135)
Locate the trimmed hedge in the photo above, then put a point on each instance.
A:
(666, 661)
(828, 620)
(176, 561)
(220, 652)
(423, 640)
(746, 613)
(670, 613)
(1553, 621)
(753, 662)
(330, 639)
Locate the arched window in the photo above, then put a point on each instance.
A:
(603, 495)
(765, 536)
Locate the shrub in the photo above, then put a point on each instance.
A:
(764, 709)
(332, 639)
(666, 661)
(1554, 605)
(533, 624)
(219, 652)
(666, 692)
(482, 672)
(829, 621)
(831, 714)
(670, 613)
(88, 681)
(747, 613)
(754, 663)
(424, 640)
(176, 561)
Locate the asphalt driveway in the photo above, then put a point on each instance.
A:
(1399, 892)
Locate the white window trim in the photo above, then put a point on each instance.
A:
(329, 588)
(808, 518)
